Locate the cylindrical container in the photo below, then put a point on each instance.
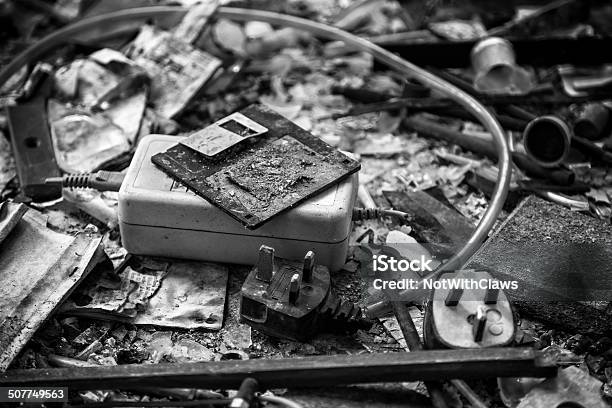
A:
(547, 140)
(492, 53)
(591, 121)
(495, 68)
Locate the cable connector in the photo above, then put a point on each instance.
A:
(102, 180)
(361, 214)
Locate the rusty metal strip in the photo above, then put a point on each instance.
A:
(319, 371)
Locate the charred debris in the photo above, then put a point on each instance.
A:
(193, 194)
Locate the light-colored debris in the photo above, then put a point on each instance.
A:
(97, 111)
(290, 110)
(187, 350)
(100, 78)
(83, 140)
(122, 297)
(598, 196)
(458, 30)
(388, 145)
(68, 9)
(572, 387)
(7, 162)
(257, 29)
(269, 42)
(191, 26)
(238, 336)
(10, 215)
(230, 36)
(179, 70)
(92, 203)
(192, 295)
(161, 346)
(53, 263)
(178, 294)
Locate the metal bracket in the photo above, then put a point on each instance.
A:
(224, 134)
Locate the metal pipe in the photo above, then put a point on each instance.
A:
(547, 140)
(413, 340)
(429, 128)
(318, 371)
(591, 121)
(469, 394)
(566, 201)
(592, 150)
(411, 335)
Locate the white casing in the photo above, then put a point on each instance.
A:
(160, 217)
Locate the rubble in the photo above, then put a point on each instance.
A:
(572, 386)
(179, 69)
(160, 293)
(54, 263)
(428, 176)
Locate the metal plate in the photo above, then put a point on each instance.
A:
(257, 180)
(223, 134)
(39, 268)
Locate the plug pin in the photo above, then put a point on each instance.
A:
(265, 263)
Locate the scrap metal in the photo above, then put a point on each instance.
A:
(494, 64)
(54, 265)
(32, 148)
(592, 120)
(547, 140)
(318, 371)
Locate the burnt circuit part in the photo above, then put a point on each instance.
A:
(293, 300)
(32, 146)
(255, 181)
(468, 313)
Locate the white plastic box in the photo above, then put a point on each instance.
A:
(160, 217)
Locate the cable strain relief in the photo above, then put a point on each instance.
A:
(76, 180)
(360, 214)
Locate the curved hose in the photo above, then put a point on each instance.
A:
(325, 31)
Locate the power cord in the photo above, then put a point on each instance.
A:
(102, 180)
